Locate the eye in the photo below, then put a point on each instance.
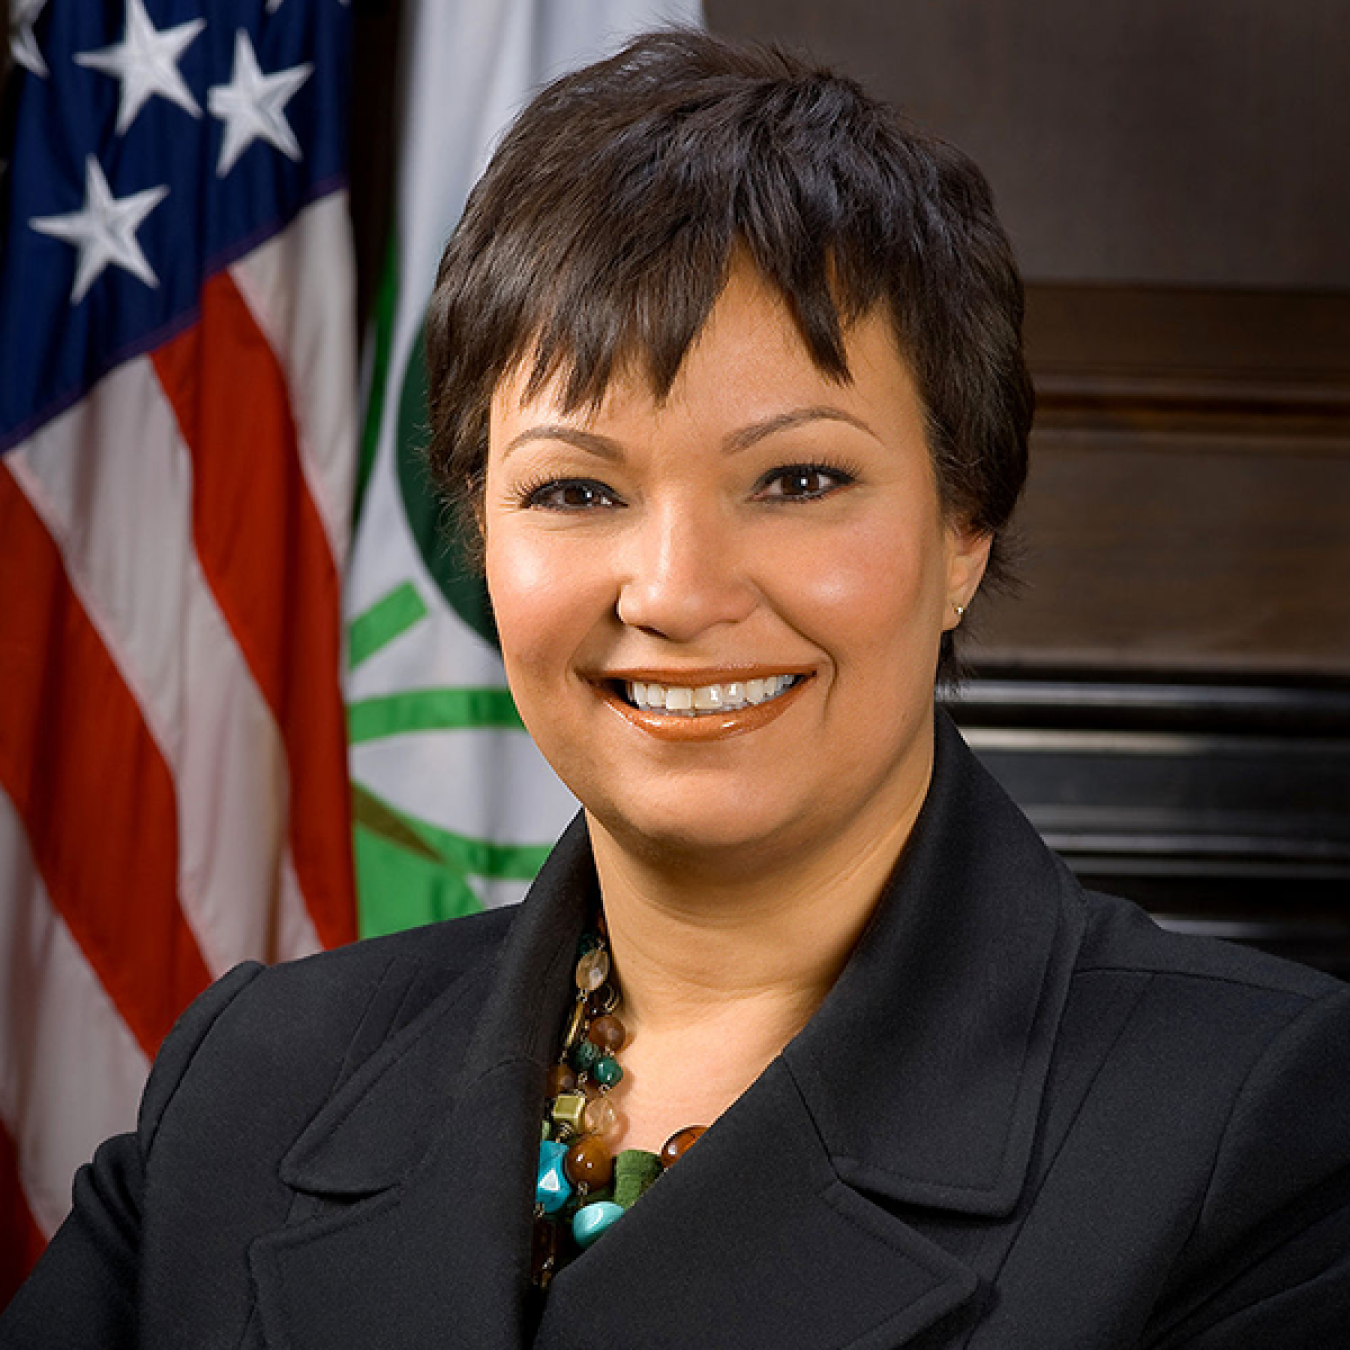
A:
(801, 483)
(569, 494)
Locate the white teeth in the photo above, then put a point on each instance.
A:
(706, 698)
(679, 698)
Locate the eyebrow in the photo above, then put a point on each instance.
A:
(602, 447)
(786, 421)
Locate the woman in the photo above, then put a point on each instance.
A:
(726, 372)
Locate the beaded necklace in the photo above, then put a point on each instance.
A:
(582, 1186)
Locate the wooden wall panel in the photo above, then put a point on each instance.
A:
(1189, 503)
(1176, 142)
(1170, 549)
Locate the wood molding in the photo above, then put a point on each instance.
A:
(1189, 502)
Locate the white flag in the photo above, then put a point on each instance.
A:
(454, 808)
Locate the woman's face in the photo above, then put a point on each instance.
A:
(762, 527)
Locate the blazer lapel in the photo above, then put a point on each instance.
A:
(926, 1066)
(415, 1183)
(754, 1240)
(828, 1206)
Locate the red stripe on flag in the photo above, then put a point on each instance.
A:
(265, 555)
(23, 1242)
(90, 785)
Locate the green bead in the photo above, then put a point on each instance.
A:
(634, 1171)
(584, 1055)
(608, 1071)
(568, 1110)
(589, 943)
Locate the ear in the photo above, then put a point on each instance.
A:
(967, 556)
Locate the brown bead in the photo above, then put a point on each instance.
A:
(608, 1033)
(561, 1078)
(544, 1254)
(589, 1163)
(679, 1143)
(604, 1000)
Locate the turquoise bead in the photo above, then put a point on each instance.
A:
(585, 1055)
(592, 1220)
(608, 1071)
(553, 1190)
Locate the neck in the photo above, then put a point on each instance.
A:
(693, 945)
(718, 974)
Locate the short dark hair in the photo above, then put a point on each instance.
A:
(604, 229)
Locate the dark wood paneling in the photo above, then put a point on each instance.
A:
(1189, 502)
(1180, 142)
(1170, 552)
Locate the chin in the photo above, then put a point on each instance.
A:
(721, 839)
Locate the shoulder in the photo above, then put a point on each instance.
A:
(1203, 1049)
(1211, 1012)
(299, 1027)
(426, 960)
(1200, 981)
(1208, 1082)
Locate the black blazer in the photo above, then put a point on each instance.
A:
(1024, 1117)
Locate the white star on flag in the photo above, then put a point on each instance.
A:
(104, 231)
(146, 61)
(252, 105)
(274, 5)
(22, 41)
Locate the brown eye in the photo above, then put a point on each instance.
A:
(801, 483)
(571, 494)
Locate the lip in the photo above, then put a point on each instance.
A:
(708, 726)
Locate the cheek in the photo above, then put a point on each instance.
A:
(544, 599)
(869, 584)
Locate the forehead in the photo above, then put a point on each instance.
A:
(748, 362)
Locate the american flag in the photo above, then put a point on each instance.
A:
(177, 442)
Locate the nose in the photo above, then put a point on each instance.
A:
(683, 572)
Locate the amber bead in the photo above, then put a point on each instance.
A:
(561, 1078)
(593, 970)
(608, 1033)
(679, 1143)
(589, 1163)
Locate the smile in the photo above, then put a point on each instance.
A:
(706, 699)
(694, 713)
